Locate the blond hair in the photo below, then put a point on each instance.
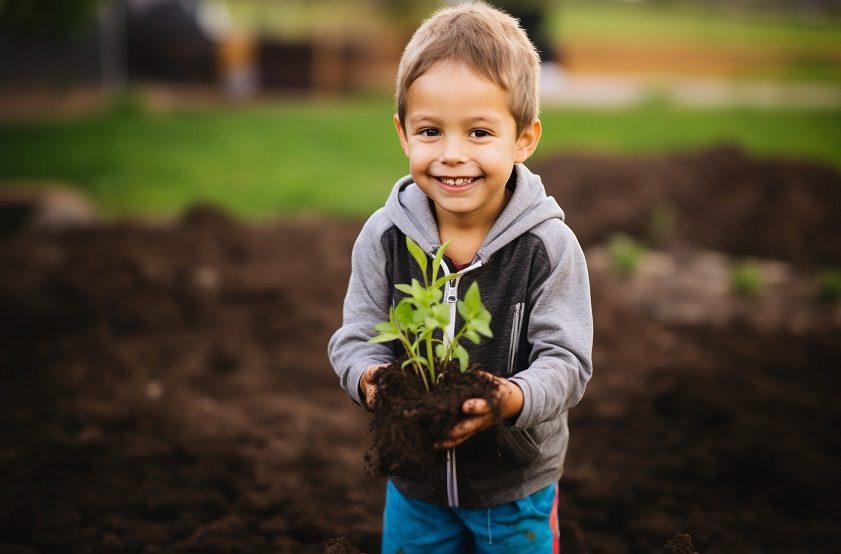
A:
(487, 39)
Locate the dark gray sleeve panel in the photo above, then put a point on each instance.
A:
(560, 329)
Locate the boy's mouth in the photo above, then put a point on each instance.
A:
(456, 181)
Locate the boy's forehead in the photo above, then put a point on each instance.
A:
(455, 65)
(451, 82)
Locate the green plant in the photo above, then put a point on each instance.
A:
(829, 285)
(419, 321)
(625, 254)
(746, 279)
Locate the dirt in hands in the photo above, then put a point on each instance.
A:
(408, 421)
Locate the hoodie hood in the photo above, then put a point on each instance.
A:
(411, 211)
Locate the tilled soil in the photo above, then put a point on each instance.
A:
(165, 387)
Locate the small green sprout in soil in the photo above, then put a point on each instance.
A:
(746, 279)
(419, 321)
(829, 285)
(625, 254)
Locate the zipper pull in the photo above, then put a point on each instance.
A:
(451, 291)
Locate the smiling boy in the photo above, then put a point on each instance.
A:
(467, 120)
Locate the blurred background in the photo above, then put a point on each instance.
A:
(278, 107)
(181, 183)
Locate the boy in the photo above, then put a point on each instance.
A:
(467, 106)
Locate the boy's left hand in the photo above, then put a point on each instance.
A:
(482, 416)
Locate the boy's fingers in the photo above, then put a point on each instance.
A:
(475, 406)
(366, 387)
(464, 430)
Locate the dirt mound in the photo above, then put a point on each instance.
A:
(166, 388)
(720, 199)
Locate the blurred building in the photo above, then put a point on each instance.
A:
(175, 42)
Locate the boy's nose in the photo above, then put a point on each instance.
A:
(453, 151)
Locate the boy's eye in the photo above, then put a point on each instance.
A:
(479, 133)
(429, 132)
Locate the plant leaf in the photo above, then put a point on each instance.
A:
(443, 279)
(436, 262)
(418, 254)
(472, 336)
(441, 314)
(440, 351)
(384, 327)
(404, 288)
(482, 327)
(384, 337)
(472, 298)
(460, 353)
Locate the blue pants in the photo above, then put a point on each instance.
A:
(528, 525)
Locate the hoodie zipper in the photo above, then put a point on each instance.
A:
(514, 342)
(451, 297)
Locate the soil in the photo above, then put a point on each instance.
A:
(165, 387)
(408, 420)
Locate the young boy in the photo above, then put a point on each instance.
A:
(467, 106)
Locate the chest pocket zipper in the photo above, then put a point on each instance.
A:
(516, 329)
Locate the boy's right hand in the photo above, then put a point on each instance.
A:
(367, 388)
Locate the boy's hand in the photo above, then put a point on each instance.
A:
(510, 398)
(367, 389)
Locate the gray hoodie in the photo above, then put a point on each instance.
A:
(533, 279)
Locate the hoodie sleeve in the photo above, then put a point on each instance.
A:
(366, 304)
(560, 331)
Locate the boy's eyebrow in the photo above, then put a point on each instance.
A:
(425, 118)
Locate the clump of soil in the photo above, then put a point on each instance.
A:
(681, 544)
(340, 545)
(408, 420)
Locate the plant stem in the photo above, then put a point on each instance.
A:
(452, 345)
(419, 371)
(429, 357)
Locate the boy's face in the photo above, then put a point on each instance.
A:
(462, 141)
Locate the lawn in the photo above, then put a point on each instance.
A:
(714, 26)
(339, 158)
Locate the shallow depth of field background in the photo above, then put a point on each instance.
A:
(180, 187)
(192, 115)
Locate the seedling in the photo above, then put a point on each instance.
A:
(419, 321)
(829, 285)
(746, 279)
(625, 254)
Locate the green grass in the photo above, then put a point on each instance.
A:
(711, 26)
(655, 128)
(299, 157)
(340, 158)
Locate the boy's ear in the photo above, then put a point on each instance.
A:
(528, 141)
(401, 134)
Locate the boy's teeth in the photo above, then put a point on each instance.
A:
(457, 182)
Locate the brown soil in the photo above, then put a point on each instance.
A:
(408, 421)
(166, 389)
(718, 199)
